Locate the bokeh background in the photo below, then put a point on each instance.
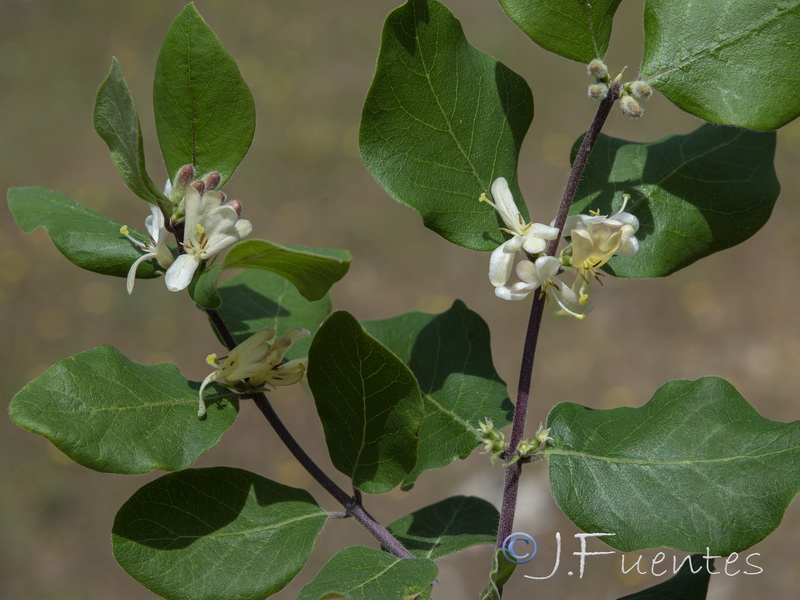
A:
(309, 64)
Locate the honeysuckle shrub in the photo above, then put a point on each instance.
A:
(695, 469)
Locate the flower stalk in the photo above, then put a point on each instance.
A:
(514, 468)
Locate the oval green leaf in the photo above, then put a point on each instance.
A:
(570, 28)
(441, 121)
(204, 111)
(694, 194)
(447, 527)
(203, 288)
(87, 238)
(689, 583)
(358, 573)
(113, 415)
(312, 270)
(727, 62)
(254, 300)
(369, 404)
(117, 122)
(501, 572)
(205, 534)
(695, 468)
(459, 386)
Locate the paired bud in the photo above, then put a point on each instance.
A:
(528, 448)
(493, 440)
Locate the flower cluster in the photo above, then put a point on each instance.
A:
(210, 224)
(593, 240)
(256, 364)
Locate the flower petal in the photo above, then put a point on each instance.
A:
(201, 409)
(192, 203)
(504, 202)
(132, 271)
(180, 274)
(518, 291)
(500, 265)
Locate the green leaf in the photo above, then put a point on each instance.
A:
(358, 573)
(312, 270)
(689, 583)
(450, 356)
(570, 28)
(441, 121)
(203, 288)
(113, 415)
(204, 111)
(447, 527)
(205, 534)
(116, 121)
(254, 300)
(731, 63)
(694, 194)
(695, 467)
(369, 404)
(502, 568)
(86, 237)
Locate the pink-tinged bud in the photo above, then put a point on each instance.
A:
(598, 91)
(212, 180)
(630, 107)
(639, 89)
(199, 186)
(597, 68)
(184, 176)
(236, 205)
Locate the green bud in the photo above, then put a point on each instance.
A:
(597, 68)
(639, 89)
(630, 107)
(598, 91)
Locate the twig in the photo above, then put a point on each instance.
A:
(352, 505)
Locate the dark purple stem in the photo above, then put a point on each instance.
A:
(511, 485)
(352, 505)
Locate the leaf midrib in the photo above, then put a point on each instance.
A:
(726, 42)
(447, 120)
(656, 463)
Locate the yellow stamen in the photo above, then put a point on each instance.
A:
(211, 359)
(199, 228)
(595, 213)
(124, 230)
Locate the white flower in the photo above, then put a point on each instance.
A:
(542, 274)
(209, 228)
(596, 238)
(530, 237)
(257, 361)
(156, 248)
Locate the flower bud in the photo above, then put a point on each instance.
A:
(236, 205)
(597, 68)
(630, 107)
(200, 186)
(598, 91)
(184, 176)
(212, 180)
(639, 89)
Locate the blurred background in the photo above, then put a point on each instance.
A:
(309, 64)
